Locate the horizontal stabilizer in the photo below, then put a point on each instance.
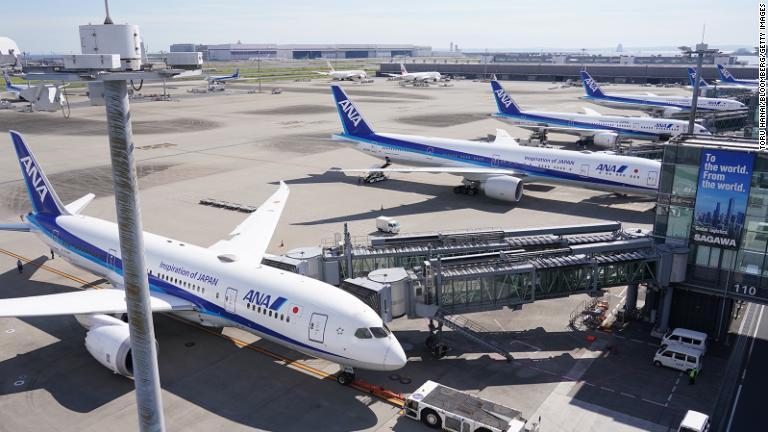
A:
(21, 227)
(75, 207)
(590, 111)
(503, 137)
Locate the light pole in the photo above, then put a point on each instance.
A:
(701, 50)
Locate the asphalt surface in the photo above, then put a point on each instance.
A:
(748, 410)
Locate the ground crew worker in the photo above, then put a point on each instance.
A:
(692, 376)
(19, 266)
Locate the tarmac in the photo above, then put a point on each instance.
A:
(235, 146)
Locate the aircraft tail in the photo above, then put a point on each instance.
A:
(403, 70)
(8, 84)
(505, 103)
(725, 75)
(591, 86)
(237, 73)
(330, 66)
(44, 198)
(351, 119)
(692, 77)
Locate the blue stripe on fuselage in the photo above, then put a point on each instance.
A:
(634, 101)
(576, 124)
(483, 161)
(48, 225)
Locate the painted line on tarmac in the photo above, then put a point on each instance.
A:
(357, 385)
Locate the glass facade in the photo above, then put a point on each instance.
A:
(719, 268)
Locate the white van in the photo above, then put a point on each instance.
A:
(694, 421)
(689, 338)
(677, 356)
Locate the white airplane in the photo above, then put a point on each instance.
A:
(223, 78)
(727, 78)
(43, 97)
(498, 169)
(602, 130)
(421, 77)
(222, 285)
(659, 105)
(344, 75)
(721, 84)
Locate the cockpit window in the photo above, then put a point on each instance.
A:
(380, 332)
(363, 333)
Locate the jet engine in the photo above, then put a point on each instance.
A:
(504, 188)
(670, 112)
(108, 341)
(606, 139)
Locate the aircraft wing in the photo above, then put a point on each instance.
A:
(448, 170)
(250, 239)
(21, 227)
(568, 130)
(392, 75)
(90, 301)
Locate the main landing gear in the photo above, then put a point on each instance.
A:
(346, 375)
(540, 136)
(467, 188)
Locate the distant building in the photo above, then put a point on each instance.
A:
(245, 51)
(579, 58)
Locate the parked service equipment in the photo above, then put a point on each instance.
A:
(680, 357)
(441, 407)
(694, 421)
(689, 338)
(387, 225)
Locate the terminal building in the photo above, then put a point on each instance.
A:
(241, 51)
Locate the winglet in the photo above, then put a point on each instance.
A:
(503, 137)
(505, 103)
(351, 119)
(591, 86)
(41, 193)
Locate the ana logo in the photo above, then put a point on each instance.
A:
(264, 300)
(727, 74)
(351, 112)
(34, 177)
(591, 84)
(612, 168)
(504, 97)
(664, 125)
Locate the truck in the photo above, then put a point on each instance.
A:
(443, 408)
(387, 225)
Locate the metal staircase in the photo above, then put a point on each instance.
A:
(470, 330)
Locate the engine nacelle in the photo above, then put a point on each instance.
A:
(504, 188)
(670, 112)
(110, 345)
(606, 139)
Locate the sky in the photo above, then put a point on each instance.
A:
(43, 26)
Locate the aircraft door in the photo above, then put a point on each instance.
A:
(430, 153)
(230, 298)
(653, 178)
(495, 160)
(317, 327)
(584, 170)
(112, 260)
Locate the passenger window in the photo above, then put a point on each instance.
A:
(667, 354)
(691, 359)
(679, 356)
(363, 333)
(687, 340)
(675, 338)
(270, 314)
(287, 319)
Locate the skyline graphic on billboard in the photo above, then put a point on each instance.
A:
(721, 197)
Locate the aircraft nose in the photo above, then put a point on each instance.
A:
(395, 357)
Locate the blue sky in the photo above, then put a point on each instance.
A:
(47, 25)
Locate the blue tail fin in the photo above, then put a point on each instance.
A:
(236, 74)
(8, 84)
(725, 76)
(351, 119)
(505, 103)
(44, 198)
(591, 86)
(692, 77)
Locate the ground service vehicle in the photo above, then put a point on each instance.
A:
(387, 225)
(441, 407)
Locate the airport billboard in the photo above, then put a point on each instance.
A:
(721, 197)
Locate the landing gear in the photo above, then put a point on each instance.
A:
(434, 342)
(540, 135)
(346, 376)
(469, 188)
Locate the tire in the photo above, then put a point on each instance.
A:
(657, 363)
(431, 419)
(345, 378)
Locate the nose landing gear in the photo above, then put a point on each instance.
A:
(346, 376)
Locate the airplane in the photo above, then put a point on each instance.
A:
(602, 130)
(721, 84)
(219, 79)
(222, 285)
(692, 78)
(341, 75)
(498, 169)
(416, 77)
(665, 106)
(43, 97)
(727, 78)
